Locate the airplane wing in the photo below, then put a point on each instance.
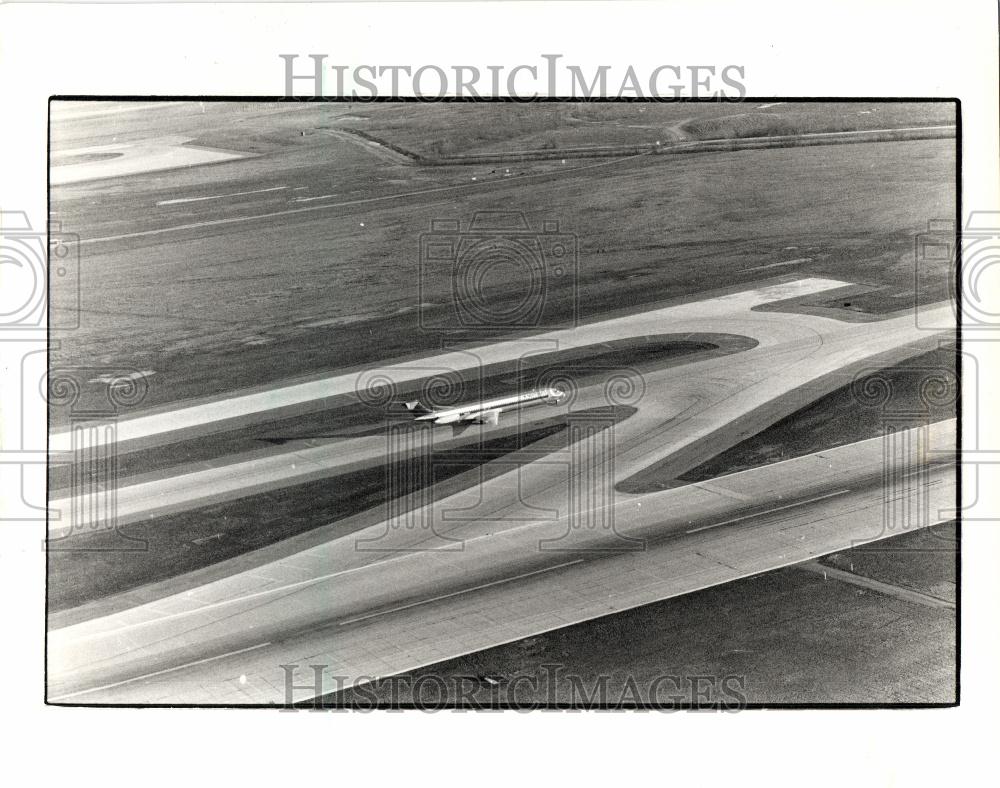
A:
(486, 416)
(491, 416)
(419, 607)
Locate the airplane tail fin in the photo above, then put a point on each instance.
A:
(415, 406)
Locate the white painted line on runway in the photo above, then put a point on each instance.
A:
(311, 199)
(180, 200)
(365, 201)
(159, 672)
(458, 593)
(146, 373)
(769, 511)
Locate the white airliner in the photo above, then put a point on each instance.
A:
(488, 411)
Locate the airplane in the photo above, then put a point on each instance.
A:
(485, 412)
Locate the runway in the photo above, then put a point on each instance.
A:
(548, 542)
(693, 317)
(688, 413)
(362, 615)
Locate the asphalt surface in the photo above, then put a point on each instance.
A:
(363, 614)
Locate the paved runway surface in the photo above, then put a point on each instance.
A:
(686, 412)
(543, 544)
(364, 614)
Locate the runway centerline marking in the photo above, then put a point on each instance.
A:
(160, 672)
(457, 593)
(311, 199)
(768, 511)
(364, 201)
(180, 200)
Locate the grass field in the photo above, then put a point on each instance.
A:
(437, 130)
(927, 566)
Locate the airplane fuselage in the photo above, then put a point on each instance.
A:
(487, 410)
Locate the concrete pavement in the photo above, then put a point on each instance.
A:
(226, 642)
(686, 412)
